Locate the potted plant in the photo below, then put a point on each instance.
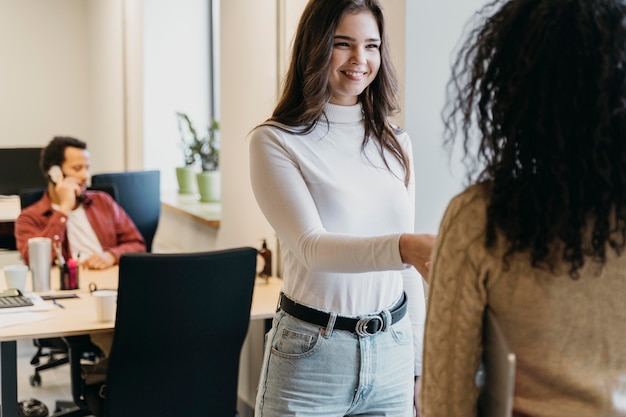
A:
(205, 151)
(186, 174)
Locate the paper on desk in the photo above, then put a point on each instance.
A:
(13, 319)
(29, 314)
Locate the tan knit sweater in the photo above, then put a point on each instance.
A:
(569, 335)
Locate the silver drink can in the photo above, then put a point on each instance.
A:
(40, 260)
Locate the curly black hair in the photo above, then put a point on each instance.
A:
(540, 88)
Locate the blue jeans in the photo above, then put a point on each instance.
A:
(313, 371)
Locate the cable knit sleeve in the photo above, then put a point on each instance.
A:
(456, 302)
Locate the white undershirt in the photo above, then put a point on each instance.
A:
(80, 235)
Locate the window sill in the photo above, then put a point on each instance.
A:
(208, 214)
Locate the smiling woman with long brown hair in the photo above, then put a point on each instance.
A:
(335, 179)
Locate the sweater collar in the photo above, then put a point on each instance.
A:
(344, 114)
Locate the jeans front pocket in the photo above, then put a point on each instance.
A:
(402, 332)
(296, 339)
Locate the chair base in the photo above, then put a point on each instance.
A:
(69, 409)
(56, 358)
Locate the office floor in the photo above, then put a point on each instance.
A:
(55, 382)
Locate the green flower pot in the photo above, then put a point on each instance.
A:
(209, 186)
(187, 183)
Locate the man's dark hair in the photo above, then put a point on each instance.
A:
(54, 153)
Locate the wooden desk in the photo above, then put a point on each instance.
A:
(78, 317)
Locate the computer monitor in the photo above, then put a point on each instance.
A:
(19, 170)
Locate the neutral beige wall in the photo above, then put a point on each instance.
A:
(106, 89)
(132, 30)
(61, 74)
(44, 80)
(395, 12)
(248, 93)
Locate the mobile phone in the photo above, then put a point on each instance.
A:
(55, 174)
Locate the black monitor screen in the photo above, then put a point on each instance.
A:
(19, 170)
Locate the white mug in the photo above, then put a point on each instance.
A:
(15, 276)
(106, 304)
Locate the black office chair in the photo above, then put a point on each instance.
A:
(29, 196)
(181, 322)
(139, 194)
(55, 349)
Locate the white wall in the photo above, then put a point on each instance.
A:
(44, 80)
(60, 74)
(175, 79)
(248, 94)
(433, 31)
(105, 60)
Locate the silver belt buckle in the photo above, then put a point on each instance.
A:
(361, 325)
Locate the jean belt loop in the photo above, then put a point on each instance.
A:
(387, 320)
(278, 302)
(328, 332)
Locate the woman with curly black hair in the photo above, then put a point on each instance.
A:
(538, 237)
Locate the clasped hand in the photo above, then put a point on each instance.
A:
(416, 249)
(98, 261)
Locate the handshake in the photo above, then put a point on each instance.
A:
(416, 250)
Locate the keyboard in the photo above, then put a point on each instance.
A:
(13, 298)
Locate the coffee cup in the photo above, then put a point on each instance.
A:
(106, 304)
(15, 276)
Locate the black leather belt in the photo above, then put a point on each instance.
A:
(363, 326)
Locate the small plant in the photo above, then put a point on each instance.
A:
(204, 150)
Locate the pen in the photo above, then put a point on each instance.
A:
(55, 302)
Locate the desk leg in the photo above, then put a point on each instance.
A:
(8, 381)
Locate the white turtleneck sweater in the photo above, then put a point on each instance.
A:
(339, 213)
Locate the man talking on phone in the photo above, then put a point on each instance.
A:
(88, 225)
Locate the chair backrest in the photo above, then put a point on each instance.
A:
(497, 390)
(138, 192)
(32, 195)
(181, 321)
(110, 189)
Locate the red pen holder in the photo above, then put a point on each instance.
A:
(69, 275)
